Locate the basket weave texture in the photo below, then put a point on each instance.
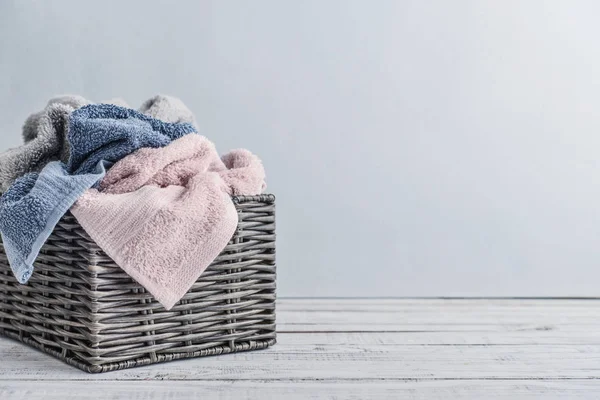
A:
(80, 307)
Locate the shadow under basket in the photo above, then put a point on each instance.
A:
(80, 307)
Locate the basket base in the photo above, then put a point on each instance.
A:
(140, 362)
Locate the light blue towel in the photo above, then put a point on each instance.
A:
(99, 135)
(32, 207)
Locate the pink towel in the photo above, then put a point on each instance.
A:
(163, 215)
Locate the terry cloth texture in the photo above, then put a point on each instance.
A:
(32, 207)
(108, 132)
(163, 215)
(44, 134)
(99, 135)
(168, 109)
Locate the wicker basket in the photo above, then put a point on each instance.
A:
(80, 307)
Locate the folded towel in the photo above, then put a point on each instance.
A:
(98, 136)
(44, 134)
(163, 215)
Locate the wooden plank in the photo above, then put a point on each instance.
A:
(341, 321)
(515, 338)
(336, 362)
(436, 315)
(333, 304)
(291, 390)
(439, 305)
(423, 328)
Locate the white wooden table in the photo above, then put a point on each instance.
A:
(354, 348)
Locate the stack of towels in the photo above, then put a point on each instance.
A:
(145, 186)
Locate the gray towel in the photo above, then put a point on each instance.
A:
(44, 134)
(168, 109)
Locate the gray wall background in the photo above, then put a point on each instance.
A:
(416, 148)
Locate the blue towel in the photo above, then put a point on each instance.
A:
(99, 135)
(108, 132)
